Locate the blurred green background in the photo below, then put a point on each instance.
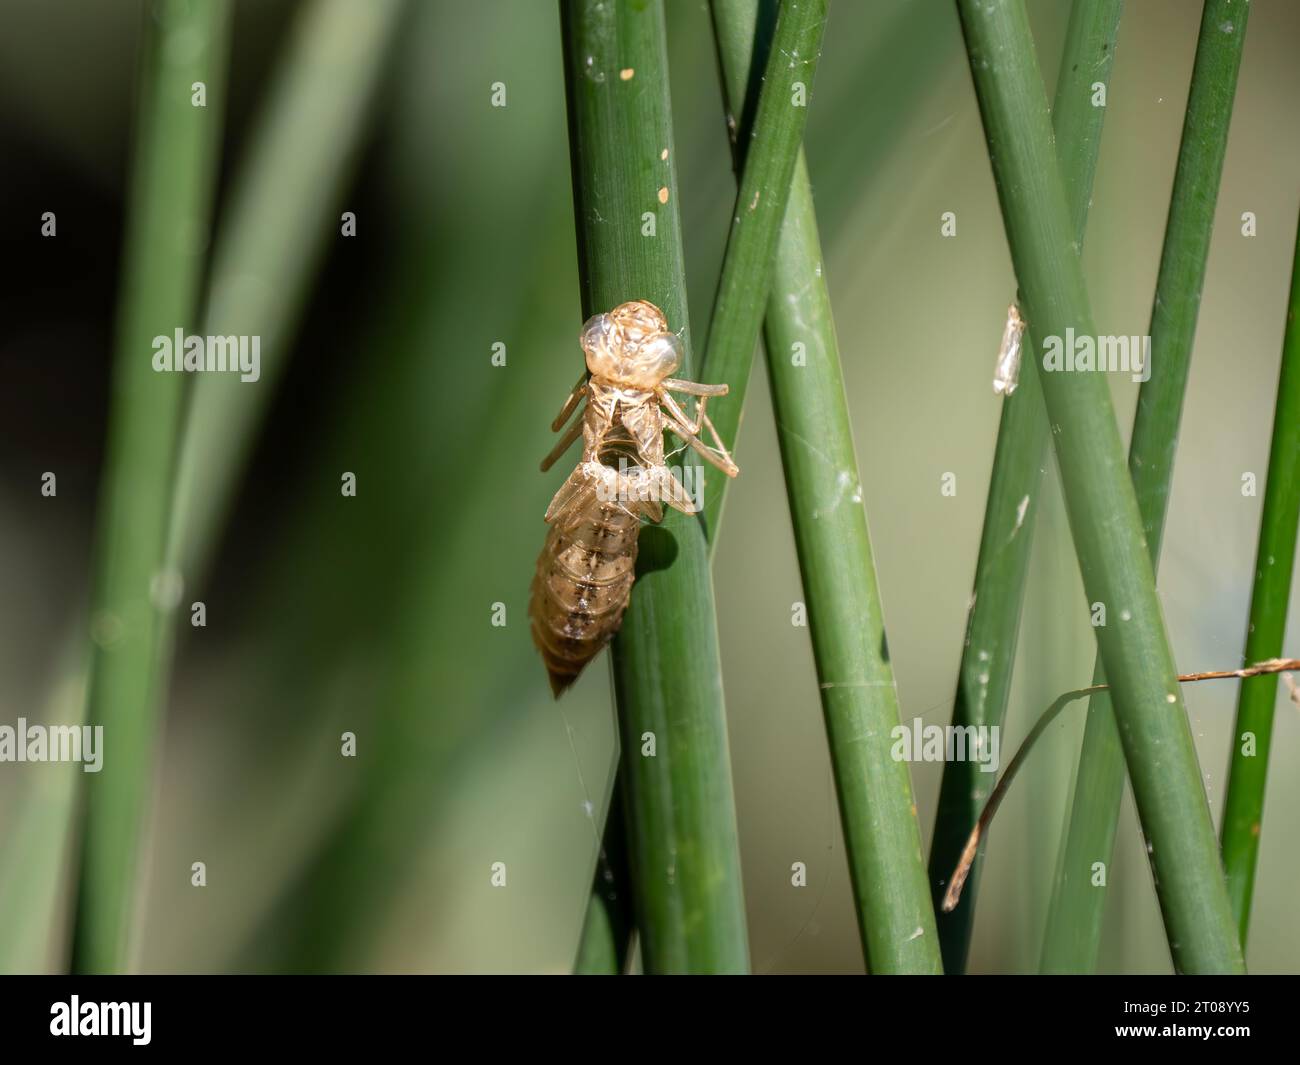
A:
(373, 614)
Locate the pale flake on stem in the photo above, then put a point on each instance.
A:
(1006, 374)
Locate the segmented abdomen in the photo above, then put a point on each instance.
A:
(582, 586)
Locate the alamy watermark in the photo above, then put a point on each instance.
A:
(634, 483)
(53, 743)
(130, 1019)
(1103, 354)
(208, 354)
(920, 742)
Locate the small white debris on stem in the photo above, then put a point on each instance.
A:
(1021, 511)
(1006, 374)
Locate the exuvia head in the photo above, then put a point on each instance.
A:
(631, 345)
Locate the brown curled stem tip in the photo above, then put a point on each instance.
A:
(967, 861)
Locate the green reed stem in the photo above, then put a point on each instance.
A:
(607, 929)
(173, 171)
(993, 625)
(1073, 935)
(769, 147)
(882, 838)
(1104, 516)
(1243, 808)
(270, 244)
(683, 847)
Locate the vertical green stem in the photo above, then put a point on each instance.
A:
(769, 149)
(773, 140)
(682, 838)
(173, 169)
(1274, 563)
(993, 625)
(1103, 511)
(270, 242)
(1073, 935)
(607, 928)
(882, 838)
